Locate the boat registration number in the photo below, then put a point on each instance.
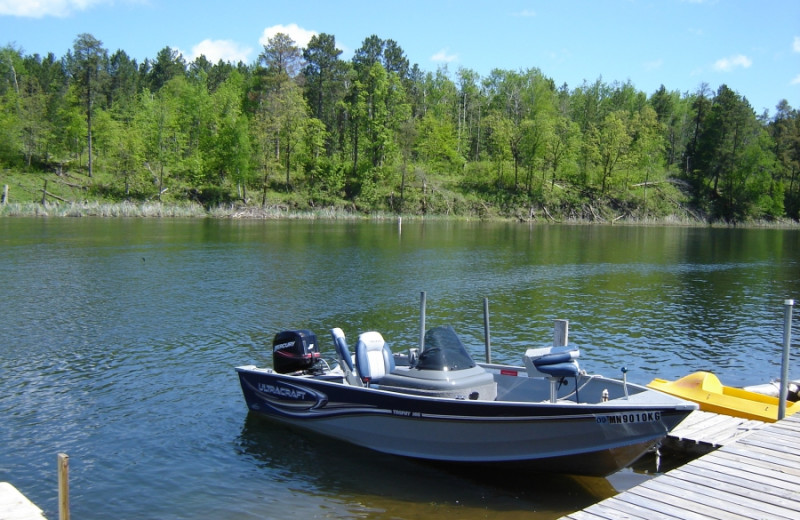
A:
(629, 418)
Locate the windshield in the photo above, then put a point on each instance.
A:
(444, 351)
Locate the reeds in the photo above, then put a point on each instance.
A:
(280, 212)
(96, 209)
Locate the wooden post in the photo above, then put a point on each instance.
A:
(63, 486)
(5, 194)
(44, 193)
(787, 341)
(561, 333)
(487, 339)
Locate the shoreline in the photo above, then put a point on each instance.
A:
(194, 210)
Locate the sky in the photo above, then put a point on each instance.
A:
(752, 46)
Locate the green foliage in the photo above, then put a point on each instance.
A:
(377, 134)
(437, 145)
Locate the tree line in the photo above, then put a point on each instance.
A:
(306, 127)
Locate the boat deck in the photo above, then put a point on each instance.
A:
(757, 475)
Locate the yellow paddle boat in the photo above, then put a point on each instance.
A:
(705, 389)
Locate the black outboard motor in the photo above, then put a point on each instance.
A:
(295, 351)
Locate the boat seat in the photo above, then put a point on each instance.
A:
(345, 359)
(374, 358)
(557, 365)
(554, 363)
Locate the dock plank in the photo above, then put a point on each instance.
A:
(769, 484)
(751, 494)
(654, 502)
(583, 515)
(679, 504)
(16, 506)
(791, 423)
(770, 472)
(774, 444)
(711, 429)
(764, 460)
(781, 440)
(620, 512)
(622, 509)
(728, 503)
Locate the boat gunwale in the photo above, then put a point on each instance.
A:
(619, 405)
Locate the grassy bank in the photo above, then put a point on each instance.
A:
(188, 210)
(71, 194)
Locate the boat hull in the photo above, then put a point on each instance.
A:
(587, 439)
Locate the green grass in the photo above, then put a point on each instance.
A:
(73, 194)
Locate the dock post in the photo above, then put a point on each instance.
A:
(787, 339)
(487, 340)
(422, 298)
(561, 333)
(63, 486)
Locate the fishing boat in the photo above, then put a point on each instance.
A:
(705, 389)
(436, 403)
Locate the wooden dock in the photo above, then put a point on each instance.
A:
(703, 432)
(757, 475)
(15, 506)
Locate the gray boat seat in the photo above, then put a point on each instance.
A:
(374, 358)
(554, 363)
(345, 359)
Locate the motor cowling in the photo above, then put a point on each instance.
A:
(294, 351)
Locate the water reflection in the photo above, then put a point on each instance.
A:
(368, 483)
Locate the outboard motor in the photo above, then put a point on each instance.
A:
(295, 351)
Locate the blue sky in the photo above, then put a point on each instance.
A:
(751, 46)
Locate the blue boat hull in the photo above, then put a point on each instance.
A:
(591, 438)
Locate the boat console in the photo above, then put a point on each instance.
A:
(444, 368)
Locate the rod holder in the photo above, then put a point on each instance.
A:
(422, 303)
(625, 381)
(486, 337)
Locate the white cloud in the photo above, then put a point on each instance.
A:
(796, 80)
(42, 8)
(732, 62)
(300, 36)
(444, 56)
(525, 13)
(215, 50)
(796, 44)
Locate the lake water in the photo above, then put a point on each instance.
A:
(119, 337)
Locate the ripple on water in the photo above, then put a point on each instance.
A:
(120, 338)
